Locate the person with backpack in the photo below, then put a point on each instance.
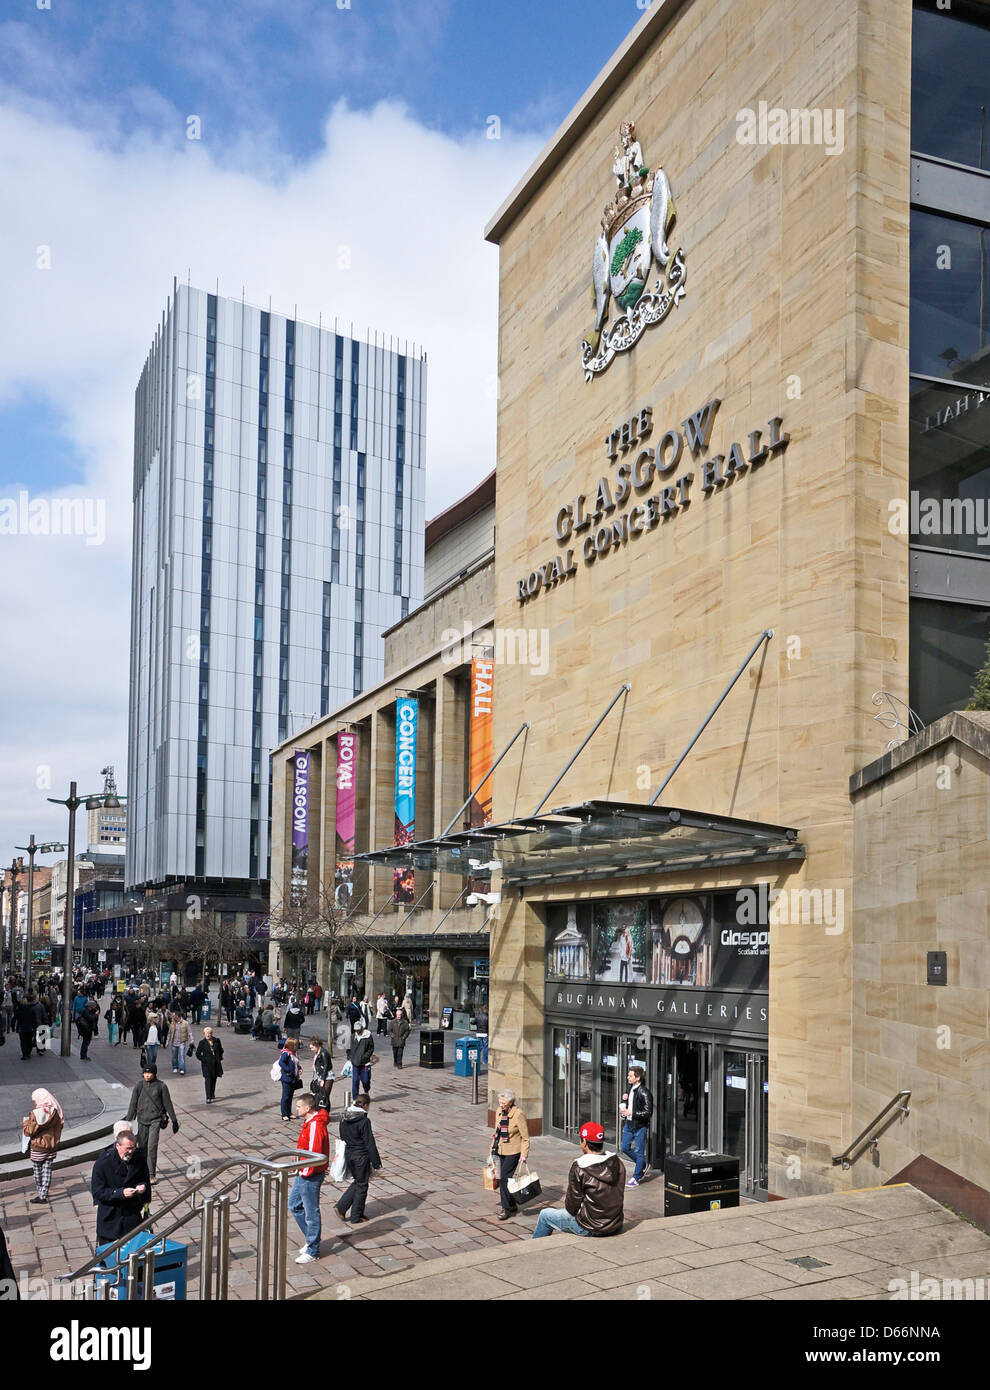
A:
(360, 1158)
(151, 1105)
(287, 1069)
(293, 1020)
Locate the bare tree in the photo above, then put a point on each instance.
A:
(210, 936)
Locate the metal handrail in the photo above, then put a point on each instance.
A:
(879, 1125)
(270, 1174)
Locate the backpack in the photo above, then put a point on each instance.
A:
(276, 1071)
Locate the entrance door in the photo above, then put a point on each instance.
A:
(683, 1071)
(744, 1117)
(571, 1098)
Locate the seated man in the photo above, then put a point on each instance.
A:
(595, 1192)
(243, 1017)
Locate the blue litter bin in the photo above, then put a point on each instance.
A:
(462, 1062)
(207, 1013)
(170, 1270)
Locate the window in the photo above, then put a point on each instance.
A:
(950, 297)
(950, 83)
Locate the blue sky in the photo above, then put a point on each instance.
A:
(312, 117)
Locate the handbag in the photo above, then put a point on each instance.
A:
(297, 1084)
(163, 1122)
(524, 1189)
(490, 1179)
(190, 1050)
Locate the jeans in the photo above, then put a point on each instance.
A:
(84, 1049)
(179, 1058)
(360, 1077)
(151, 1051)
(397, 1056)
(317, 1005)
(634, 1146)
(304, 1203)
(552, 1220)
(288, 1090)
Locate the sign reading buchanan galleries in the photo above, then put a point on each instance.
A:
(647, 476)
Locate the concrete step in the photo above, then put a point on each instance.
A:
(82, 1142)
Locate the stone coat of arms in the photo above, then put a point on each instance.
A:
(636, 229)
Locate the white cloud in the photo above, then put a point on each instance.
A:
(410, 203)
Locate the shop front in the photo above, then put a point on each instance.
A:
(675, 984)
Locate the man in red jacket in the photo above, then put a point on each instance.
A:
(304, 1199)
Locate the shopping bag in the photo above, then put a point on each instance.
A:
(490, 1179)
(337, 1170)
(346, 1071)
(524, 1188)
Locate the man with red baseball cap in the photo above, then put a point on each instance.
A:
(595, 1191)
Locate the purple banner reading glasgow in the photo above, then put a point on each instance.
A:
(300, 825)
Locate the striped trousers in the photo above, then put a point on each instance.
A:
(43, 1173)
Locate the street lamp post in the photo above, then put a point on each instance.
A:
(31, 849)
(73, 802)
(15, 870)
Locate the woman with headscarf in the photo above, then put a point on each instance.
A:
(44, 1129)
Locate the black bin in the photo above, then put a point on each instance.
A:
(699, 1181)
(431, 1047)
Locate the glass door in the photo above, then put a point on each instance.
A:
(571, 1080)
(683, 1070)
(744, 1117)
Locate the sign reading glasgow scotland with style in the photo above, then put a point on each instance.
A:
(592, 523)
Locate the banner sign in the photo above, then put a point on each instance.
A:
(666, 1010)
(482, 738)
(406, 719)
(300, 825)
(346, 798)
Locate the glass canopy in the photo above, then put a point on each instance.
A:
(595, 838)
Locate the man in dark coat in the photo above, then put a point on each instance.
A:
(84, 1027)
(209, 1054)
(360, 1157)
(27, 1017)
(121, 1188)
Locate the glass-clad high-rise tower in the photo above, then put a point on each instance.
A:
(278, 530)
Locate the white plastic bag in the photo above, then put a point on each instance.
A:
(337, 1170)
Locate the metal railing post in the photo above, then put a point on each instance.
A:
(206, 1251)
(132, 1271)
(474, 1081)
(264, 1237)
(148, 1261)
(223, 1245)
(281, 1233)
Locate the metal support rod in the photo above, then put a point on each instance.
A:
(223, 1246)
(264, 1237)
(474, 1081)
(281, 1223)
(415, 907)
(206, 1251)
(763, 637)
(464, 890)
(30, 913)
(70, 919)
(473, 793)
(623, 690)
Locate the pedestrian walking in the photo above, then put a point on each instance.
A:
(360, 1159)
(8, 1008)
(362, 1059)
(120, 1187)
(290, 1075)
(293, 1019)
(210, 1056)
(594, 1198)
(304, 1196)
(510, 1145)
(27, 1022)
(196, 1003)
(317, 996)
(228, 1002)
(151, 1051)
(636, 1109)
(43, 1127)
(323, 1077)
(151, 1105)
(309, 1002)
(84, 1027)
(398, 1031)
(381, 1015)
(181, 1038)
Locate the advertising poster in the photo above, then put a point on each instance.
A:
(406, 721)
(346, 798)
(300, 825)
(482, 738)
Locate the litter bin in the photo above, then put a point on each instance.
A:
(463, 1065)
(170, 1270)
(699, 1180)
(431, 1047)
(207, 1013)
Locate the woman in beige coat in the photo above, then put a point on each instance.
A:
(510, 1144)
(43, 1128)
